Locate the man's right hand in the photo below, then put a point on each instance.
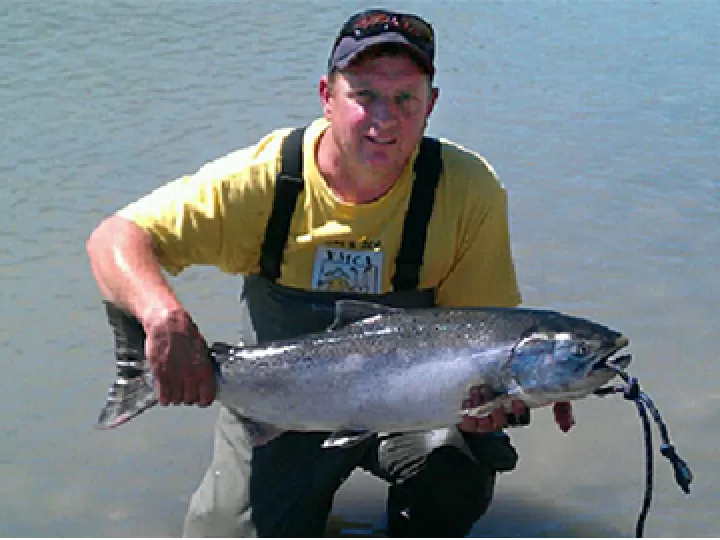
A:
(179, 359)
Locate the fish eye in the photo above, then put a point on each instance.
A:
(582, 349)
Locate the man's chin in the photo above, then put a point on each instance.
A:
(380, 160)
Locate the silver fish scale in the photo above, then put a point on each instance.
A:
(369, 376)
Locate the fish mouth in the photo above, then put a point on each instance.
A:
(614, 363)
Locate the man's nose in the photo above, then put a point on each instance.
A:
(384, 111)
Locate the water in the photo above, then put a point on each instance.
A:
(601, 118)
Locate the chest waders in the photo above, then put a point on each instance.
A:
(441, 481)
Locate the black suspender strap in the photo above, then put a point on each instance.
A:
(428, 165)
(288, 185)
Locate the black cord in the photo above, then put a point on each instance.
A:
(649, 467)
(683, 475)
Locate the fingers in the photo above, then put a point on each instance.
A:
(179, 359)
(478, 424)
(190, 391)
(494, 421)
(564, 417)
(198, 370)
(469, 424)
(170, 386)
(206, 392)
(203, 385)
(518, 407)
(498, 418)
(163, 388)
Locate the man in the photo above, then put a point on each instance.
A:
(347, 230)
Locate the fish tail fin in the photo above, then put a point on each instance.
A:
(132, 391)
(126, 399)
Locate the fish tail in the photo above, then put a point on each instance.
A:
(126, 399)
(132, 391)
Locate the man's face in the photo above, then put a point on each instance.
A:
(378, 109)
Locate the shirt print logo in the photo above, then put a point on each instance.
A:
(339, 269)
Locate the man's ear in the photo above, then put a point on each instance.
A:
(435, 93)
(325, 91)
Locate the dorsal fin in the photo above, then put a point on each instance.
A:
(351, 311)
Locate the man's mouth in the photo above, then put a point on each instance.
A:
(384, 141)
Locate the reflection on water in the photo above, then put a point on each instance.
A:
(601, 120)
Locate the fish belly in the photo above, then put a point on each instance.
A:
(394, 392)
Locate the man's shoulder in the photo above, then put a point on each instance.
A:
(264, 153)
(263, 156)
(458, 156)
(462, 166)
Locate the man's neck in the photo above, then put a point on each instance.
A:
(347, 184)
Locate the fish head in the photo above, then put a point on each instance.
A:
(566, 358)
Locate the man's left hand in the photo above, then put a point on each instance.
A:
(498, 419)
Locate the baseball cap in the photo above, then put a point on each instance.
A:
(377, 27)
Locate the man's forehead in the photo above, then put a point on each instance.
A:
(383, 76)
(377, 61)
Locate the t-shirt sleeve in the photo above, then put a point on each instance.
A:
(183, 219)
(215, 217)
(483, 273)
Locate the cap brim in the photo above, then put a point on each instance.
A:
(348, 49)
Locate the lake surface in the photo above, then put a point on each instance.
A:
(601, 118)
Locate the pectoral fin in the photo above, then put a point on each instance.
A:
(346, 438)
(259, 432)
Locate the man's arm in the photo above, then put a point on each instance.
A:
(122, 256)
(125, 266)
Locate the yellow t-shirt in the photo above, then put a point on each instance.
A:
(218, 217)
